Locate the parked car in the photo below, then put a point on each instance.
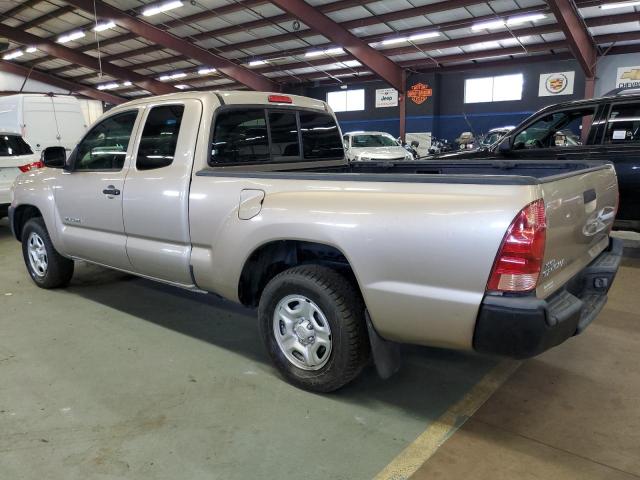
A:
(374, 146)
(43, 120)
(15, 157)
(249, 195)
(605, 129)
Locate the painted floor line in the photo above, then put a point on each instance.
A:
(417, 452)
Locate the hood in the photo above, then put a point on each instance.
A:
(379, 153)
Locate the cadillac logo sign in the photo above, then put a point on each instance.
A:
(419, 93)
(556, 83)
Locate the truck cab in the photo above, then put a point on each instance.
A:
(606, 129)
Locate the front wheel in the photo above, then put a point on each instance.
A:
(312, 323)
(47, 267)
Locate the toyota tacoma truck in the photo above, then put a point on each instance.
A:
(248, 195)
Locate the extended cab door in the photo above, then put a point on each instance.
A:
(156, 191)
(89, 197)
(560, 135)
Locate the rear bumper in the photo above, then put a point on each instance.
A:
(521, 327)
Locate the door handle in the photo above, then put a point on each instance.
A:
(111, 190)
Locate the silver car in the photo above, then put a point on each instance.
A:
(373, 146)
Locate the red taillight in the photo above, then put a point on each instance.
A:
(280, 99)
(519, 260)
(31, 166)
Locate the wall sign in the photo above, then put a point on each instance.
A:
(386, 97)
(559, 83)
(419, 93)
(628, 77)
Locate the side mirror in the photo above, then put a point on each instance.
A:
(54, 157)
(505, 145)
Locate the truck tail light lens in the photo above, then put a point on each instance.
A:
(31, 166)
(280, 99)
(519, 261)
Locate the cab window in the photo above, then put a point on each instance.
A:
(556, 130)
(623, 126)
(159, 137)
(105, 146)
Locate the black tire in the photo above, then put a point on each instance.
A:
(343, 308)
(59, 269)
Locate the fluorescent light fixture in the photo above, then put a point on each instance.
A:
(422, 36)
(206, 71)
(127, 84)
(525, 18)
(161, 7)
(182, 86)
(488, 25)
(71, 36)
(12, 55)
(173, 76)
(256, 63)
(391, 41)
(328, 51)
(31, 50)
(610, 6)
(101, 27)
(511, 21)
(334, 51)
(108, 86)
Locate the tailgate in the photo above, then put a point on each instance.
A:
(580, 211)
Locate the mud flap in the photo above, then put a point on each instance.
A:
(386, 354)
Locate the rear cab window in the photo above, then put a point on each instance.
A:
(251, 136)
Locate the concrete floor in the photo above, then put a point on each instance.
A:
(119, 377)
(571, 413)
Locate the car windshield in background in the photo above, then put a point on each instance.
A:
(13, 145)
(361, 141)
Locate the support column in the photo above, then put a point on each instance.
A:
(402, 101)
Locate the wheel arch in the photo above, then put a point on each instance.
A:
(21, 215)
(273, 257)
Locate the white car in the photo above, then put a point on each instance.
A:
(373, 146)
(16, 157)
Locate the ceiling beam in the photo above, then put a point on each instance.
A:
(77, 88)
(12, 12)
(376, 61)
(59, 51)
(253, 80)
(580, 42)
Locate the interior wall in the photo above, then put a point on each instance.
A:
(443, 114)
(607, 69)
(10, 82)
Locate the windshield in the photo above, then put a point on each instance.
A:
(361, 141)
(13, 145)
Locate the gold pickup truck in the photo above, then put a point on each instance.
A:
(248, 195)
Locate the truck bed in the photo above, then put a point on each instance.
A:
(499, 172)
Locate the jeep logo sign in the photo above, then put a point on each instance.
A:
(386, 97)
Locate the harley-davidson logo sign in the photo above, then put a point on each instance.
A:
(419, 93)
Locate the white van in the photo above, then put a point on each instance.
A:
(43, 120)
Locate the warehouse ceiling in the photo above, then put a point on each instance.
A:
(151, 47)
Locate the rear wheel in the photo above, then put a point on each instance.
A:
(312, 323)
(47, 267)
